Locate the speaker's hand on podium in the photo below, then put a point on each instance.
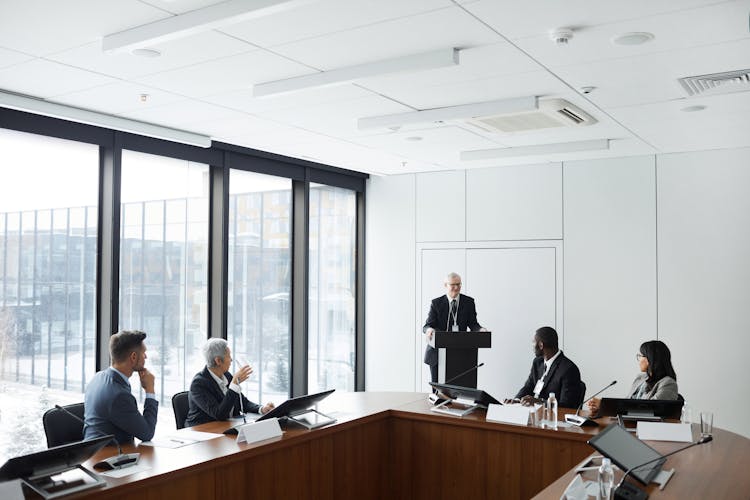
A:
(429, 332)
(483, 329)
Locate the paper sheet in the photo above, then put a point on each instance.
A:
(508, 414)
(196, 435)
(660, 431)
(133, 469)
(169, 442)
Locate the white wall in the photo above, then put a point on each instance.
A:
(654, 247)
(704, 278)
(610, 267)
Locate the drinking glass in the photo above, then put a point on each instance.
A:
(707, 423)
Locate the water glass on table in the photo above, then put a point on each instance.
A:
(707, 423)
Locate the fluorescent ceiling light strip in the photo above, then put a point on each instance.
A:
(464, 111)
(539, 149)
(195, 21)
(417, 62)
(46, 108)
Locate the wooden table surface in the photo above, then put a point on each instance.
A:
(390, 445)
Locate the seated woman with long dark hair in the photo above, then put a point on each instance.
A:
(657, 379)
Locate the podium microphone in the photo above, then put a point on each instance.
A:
(435, 399)
(580, 421)
(627, 491)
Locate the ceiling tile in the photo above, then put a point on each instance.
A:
(325, 17)
(653, 77)
(519, 19)
(226, 74)
(688, 28)
(184, 114)
(435, 145)
(10, 57)
(175, 54)
(42, 27)
(40, 78)
(336, 119)
(243, 100)
(118, 98)
(441, 29)
(181, 6)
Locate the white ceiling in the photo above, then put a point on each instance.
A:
(203, 82)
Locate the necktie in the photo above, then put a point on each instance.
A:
(451, 315)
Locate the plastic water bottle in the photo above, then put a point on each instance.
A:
(606, 479)
(552, 404)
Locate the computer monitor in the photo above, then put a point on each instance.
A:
(627, 451)
(457, 392)
(290, 407)
(640, 409)
(53, 460)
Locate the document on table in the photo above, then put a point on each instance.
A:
(196, 435)
(125, 471)
(169, 442)
(660, 431)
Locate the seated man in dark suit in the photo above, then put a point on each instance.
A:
(214, 393)
(109, 406)
(551, 371)
(452, 312)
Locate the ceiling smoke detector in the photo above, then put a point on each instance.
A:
(561, 36)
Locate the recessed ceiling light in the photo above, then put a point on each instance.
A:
(414, 138)
(693, 109)
(633, 38)
(146, 52)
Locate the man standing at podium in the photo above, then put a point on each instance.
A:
(452, 312)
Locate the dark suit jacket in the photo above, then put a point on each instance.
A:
(207, 403)
(563, 379)
(437, 318)
(110, 408)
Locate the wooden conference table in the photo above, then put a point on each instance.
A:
(390, 445)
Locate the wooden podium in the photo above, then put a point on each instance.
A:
(461, 353)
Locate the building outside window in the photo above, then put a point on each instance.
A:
(259, 284)
(332, 288)
(48, 231)
(164, 267)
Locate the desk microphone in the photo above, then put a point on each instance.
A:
(629, 491)
(580, 421)
(118, 461)
(435, 399)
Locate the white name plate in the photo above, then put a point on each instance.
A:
(259, 431)
(508, 414)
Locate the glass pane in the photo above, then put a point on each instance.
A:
(164, 267)
(333, 236)
(258, 314)
(48, 228)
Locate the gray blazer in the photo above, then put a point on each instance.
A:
(110, 408)
(666, 388)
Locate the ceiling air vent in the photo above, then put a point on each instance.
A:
(550, 113)
(717, 83)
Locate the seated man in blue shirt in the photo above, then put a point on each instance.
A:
(109, 406)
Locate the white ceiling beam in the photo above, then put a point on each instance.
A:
(535, 150)
(417, 62)
(464, 111)
(78, 115)
(195, 21)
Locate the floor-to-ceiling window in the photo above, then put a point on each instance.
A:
(163, 265)
(259, 280)
(48, 231)
(332, 288)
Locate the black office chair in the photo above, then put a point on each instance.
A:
(61, 427)
(180, 407)
(583, 393)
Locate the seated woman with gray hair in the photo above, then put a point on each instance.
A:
(214, 392)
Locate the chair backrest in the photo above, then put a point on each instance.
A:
(60, 427)
(180, 407)
(583, 393)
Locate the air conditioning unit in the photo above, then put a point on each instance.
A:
(717, 83)
(550, 113)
